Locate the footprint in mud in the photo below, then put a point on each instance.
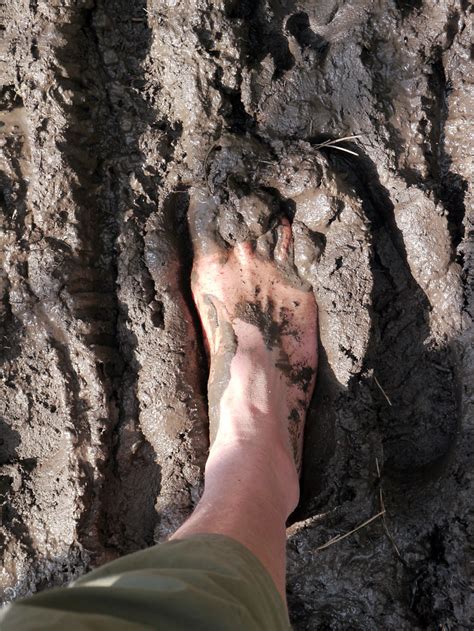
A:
(413, 384)
(408, 355)
(376, 320)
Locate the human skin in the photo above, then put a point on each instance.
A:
(260, 328)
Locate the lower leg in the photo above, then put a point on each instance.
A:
(251, 481)
(241, 501)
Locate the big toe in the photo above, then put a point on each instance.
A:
(284, 242)
(202, 220)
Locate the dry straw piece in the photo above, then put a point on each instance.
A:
(382, 514)
(383, 391)
(333, 144)
(351, 532)
(382, 508)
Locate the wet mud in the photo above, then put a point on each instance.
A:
(110, 113)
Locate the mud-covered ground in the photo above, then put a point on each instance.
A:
(111, 111)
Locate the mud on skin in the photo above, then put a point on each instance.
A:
(110, 115)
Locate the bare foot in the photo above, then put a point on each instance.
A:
(260, 326)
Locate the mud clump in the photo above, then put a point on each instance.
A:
(110, 115)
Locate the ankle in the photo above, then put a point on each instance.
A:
(266, 465)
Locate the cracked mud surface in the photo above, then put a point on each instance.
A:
(110, 112)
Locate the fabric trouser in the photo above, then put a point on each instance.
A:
(203, 582)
